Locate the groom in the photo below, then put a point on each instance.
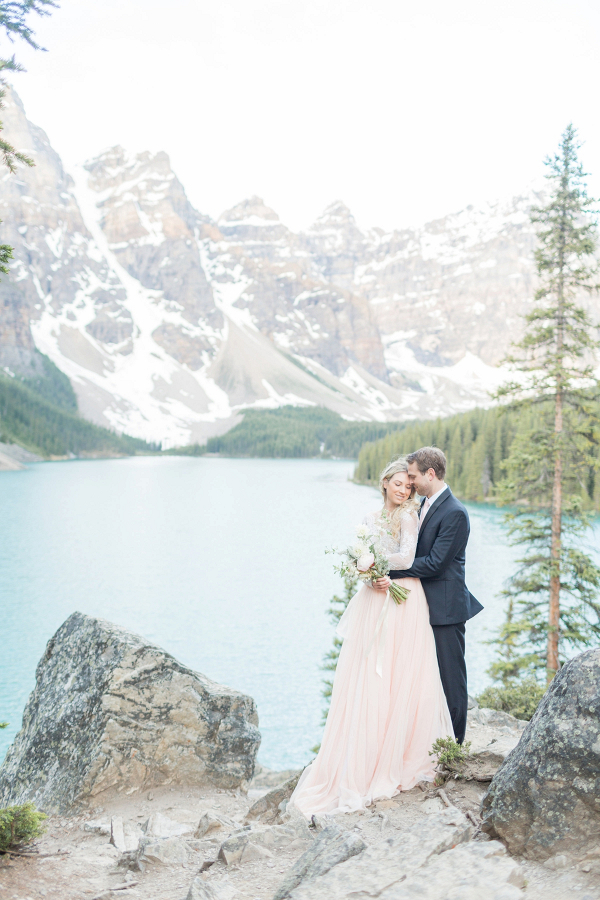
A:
(440, 564)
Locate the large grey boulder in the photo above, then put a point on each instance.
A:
(545, 799)
(111, 711)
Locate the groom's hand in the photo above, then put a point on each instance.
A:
(382, 584)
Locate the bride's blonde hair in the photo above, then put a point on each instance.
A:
(411, 502)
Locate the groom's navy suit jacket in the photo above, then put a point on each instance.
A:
(440, 562)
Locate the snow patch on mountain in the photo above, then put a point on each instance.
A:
(170, 324)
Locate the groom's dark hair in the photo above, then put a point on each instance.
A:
(429, 458)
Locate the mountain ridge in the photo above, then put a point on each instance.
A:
(170, 324)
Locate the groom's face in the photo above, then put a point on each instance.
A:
(421, 481)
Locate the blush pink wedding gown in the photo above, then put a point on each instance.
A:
(387, 704)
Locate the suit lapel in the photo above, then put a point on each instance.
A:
(433, 507)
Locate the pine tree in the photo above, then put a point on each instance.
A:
(13, 19)
(337, 607)
(553, 597)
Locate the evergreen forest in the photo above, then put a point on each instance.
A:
(40, 414)
(293, 432)
(476, 444)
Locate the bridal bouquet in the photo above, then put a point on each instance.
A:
(367, 560)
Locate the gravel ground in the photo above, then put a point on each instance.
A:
(83, 865)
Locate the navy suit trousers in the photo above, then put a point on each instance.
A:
(450, 646)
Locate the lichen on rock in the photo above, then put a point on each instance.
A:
(112, 712)
(544, 800)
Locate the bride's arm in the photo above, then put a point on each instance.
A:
(452, 535)
(409, 533)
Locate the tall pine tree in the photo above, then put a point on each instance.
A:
(14, 22)
(553, 598)
(336, 610)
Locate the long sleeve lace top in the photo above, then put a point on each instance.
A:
(401, 551)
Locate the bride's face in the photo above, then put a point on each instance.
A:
(397, 489)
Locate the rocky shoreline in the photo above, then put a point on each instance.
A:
(168, 837)
(160, 857)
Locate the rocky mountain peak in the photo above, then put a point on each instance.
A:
(253, 221)
(151, 228)
(335, 230)
(253, 211)
(336, 215)
(118, 169)
(139, 197)
(335, 241)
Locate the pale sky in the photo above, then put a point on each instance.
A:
(404, 110)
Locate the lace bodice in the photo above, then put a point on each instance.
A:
(401, 552)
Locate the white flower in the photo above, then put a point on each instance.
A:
(362, 532)
(359, 549)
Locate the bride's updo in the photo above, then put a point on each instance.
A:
(411, 502)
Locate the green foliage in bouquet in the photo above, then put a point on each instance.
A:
(19, 825)
(366, 560)
(518, 698)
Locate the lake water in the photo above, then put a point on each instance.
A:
(219, 561)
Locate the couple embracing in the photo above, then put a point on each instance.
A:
(401, 678)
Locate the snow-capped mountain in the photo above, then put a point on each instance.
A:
(170, 324)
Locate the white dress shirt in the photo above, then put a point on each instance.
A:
(429, 502)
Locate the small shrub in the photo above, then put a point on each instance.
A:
(449, 753)
(19, 825)
(520, 699)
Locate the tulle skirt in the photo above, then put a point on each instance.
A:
(387, 706)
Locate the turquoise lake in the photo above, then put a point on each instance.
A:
(219, 561)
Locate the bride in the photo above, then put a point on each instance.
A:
(387, 704)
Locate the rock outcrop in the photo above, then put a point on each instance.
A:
(545, 799)
(268, 809)
(332, 847)
(429, 861)
(154, 844)
(111, 712)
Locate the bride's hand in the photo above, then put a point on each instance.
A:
(382, 584)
